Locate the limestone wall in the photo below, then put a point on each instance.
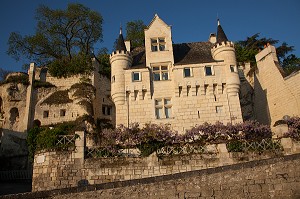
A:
(54, 170)
(275, 96)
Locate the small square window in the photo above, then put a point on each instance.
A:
(187, 72)
(208, 71)
(45, 114)
(62, 112)
(136, 76)
(218, 109)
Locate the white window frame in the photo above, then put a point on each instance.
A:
(158, 44)
(191, 72)
(163, 106)
(211, 68)
(160, 72)
(139, 75)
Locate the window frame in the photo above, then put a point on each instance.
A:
(163, 108)
(139, 75)
(211, 70)
(162, 74)
(158, 44)
(190, 71)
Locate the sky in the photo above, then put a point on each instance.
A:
(191, 20)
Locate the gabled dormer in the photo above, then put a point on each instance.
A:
(158, 42)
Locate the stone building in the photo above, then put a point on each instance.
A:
(180, 84)
(38, 96)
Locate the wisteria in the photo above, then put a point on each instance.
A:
(293, 128)
(150, 137)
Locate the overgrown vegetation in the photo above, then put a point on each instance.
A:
(21, 78)
(293, 128)
(46, 137)
(42, 84)
(58, 97)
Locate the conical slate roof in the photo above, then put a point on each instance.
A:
(120, 42)
(221, 36)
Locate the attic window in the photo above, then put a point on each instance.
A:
(158, 44)
(208, 70)
(136, 76)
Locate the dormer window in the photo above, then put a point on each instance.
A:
(158, 44)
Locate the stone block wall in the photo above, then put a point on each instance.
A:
(56, 170)
(275, 96)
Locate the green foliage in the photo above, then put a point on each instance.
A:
(32, 140)
(41, 84)
(235, 146)
(247, 49)
(104, 63)
(66, 67)
(147, 148)
(22, 79)
(61, 36)
(135, 33)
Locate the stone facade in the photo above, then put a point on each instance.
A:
(181, 84)
(68, 99)
(276, 96)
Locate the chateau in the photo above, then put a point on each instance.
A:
(180, 84)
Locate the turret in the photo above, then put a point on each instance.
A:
(120, 59)
(223, 50)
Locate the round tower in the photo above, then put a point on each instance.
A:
(224, 50)
(120, 59)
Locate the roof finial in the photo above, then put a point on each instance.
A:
(120, 28)
(218, 21)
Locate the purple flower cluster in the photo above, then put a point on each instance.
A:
(293, 128)
(128, 137)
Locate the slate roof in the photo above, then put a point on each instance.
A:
(185, 53)
(221, 36)
(120, 43)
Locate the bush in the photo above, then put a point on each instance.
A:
(293, 128)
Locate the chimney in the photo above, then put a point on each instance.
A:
(127, 44)
(212, 38)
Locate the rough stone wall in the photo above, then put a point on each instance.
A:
(273, 178)
(275, 96)
(66, 169)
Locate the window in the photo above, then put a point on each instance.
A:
(232, 68)
(163, 108)
(136, 76)
(62, 112)
(45, 114)
(218, 109)
(208, 70)
(158, 44)
(160, 73)
(113, 79)
(187, 72)
(106, 110)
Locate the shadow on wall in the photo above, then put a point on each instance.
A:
(261, 106)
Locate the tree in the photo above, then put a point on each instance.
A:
(247, 49)
(104, 63)
(135, 33)
(3, 74)
(61, 36)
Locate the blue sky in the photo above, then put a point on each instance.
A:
(191, 20)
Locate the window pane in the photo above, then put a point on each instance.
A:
(156, 68)
(158, 113)
(208, 70)
(154, 48)
(136, 76)
(168, 112)
(161, 40)
(153, 41)
(156, 76)
(187, 72)
(164, 67)
(165, 76)
(161, 47)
